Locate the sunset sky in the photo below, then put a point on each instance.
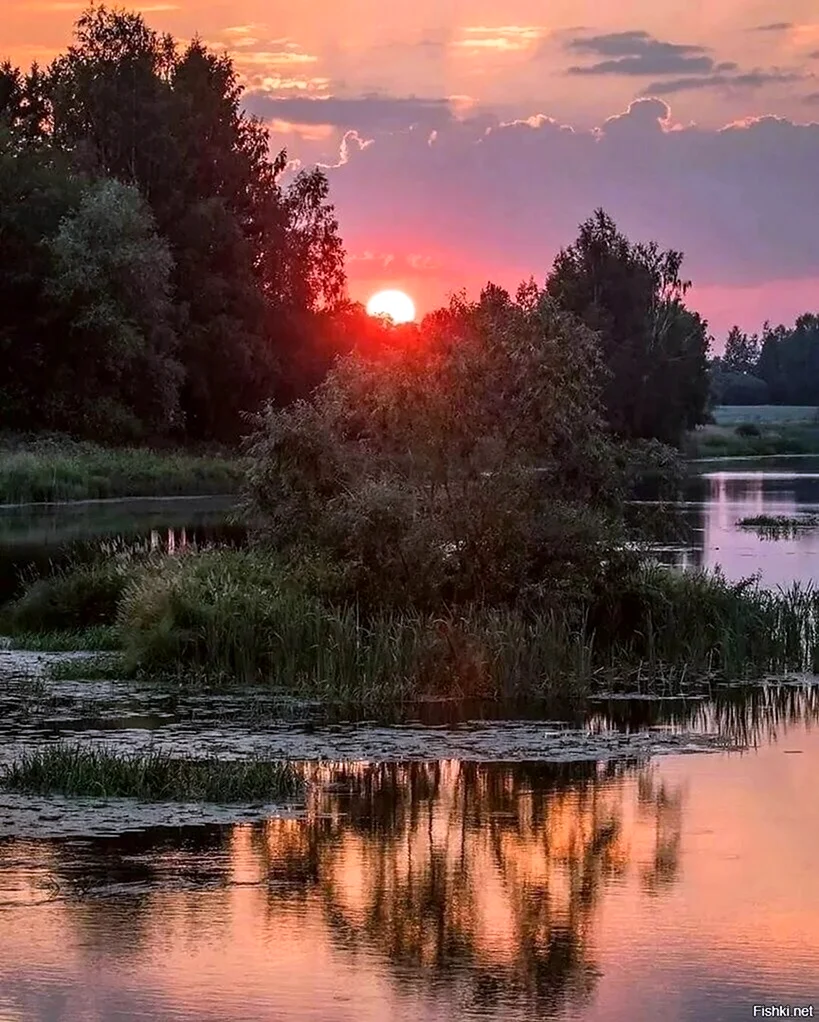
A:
(466, 139)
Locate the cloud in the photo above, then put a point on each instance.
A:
(773, 26)
(814, 55)
(638, 53)
(744, 80)
(365, 113)
(812, 97)
(479, 39)
(741, 202)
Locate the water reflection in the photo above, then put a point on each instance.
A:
(440, 891)
(473, 885)
(718, 500)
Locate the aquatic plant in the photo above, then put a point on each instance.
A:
(99, 638)
(239, 616)
(156, 776)
(779, 526)
(73, 597)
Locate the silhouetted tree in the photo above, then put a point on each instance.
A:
(741, 351)
(654, 347)
(253, 261)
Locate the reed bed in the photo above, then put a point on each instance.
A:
(82, 471)
(236, 616)
(77, 770)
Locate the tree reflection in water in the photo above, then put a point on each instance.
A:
(484, 877)
(476, 883)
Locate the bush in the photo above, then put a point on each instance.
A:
(74, 598)
(470, 465)
(748, 429)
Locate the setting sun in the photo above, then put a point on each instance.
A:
(398, 306)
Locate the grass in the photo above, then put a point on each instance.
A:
(235, 616)
(75, 596)
(221, 617)
(153, 776)
(768, 415)
(101, 638)
(752, 439)
(779, 526)
(90, 668)
(68, 470)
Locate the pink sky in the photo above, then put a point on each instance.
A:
(466, 141)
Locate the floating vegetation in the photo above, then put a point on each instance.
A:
(76, 770)
(780, 526)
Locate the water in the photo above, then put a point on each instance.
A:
(731, 490)
(632, 860)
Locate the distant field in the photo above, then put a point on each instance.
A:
(770, 415)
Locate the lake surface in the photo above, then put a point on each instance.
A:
(630, 860)
(734, 489)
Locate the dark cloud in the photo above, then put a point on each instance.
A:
(812, 97)
(638, 53)
(366, 113)
(741, 202)
(813, 55)
(773, 26)
(745, 80)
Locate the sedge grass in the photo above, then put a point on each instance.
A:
(100, 638)
(234, 615)
(76, 770)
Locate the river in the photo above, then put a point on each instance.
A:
(631, 861)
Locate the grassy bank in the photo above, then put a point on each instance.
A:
(222, 617)
(65, 470)
(238, 617)
(753, 440)
(153, 776)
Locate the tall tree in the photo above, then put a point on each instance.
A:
(741, 351)
(252, 258)
(655, 348)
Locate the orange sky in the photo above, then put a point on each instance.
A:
(428, 202)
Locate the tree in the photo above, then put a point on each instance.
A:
(789, 361)
(471, 464)
(654, 347)
(111, 273)
(741, 351)
(252, 258)
(37, 190)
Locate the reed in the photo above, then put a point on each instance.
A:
(77, 770)
(66, 470)
(237, 615)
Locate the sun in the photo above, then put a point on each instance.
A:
(396, 305)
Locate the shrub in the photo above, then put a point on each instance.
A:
(470, 465)
(77, 596)
(748, 429)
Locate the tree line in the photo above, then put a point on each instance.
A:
(162, 273)
(780, 366)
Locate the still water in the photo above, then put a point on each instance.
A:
(736, 489)
(629, 861)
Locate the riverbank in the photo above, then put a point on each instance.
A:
(716, 441)
(228, 617)
(50, 470)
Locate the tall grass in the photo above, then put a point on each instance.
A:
(99, 638)
(81, 471)
(153, 776)
(237, 615)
